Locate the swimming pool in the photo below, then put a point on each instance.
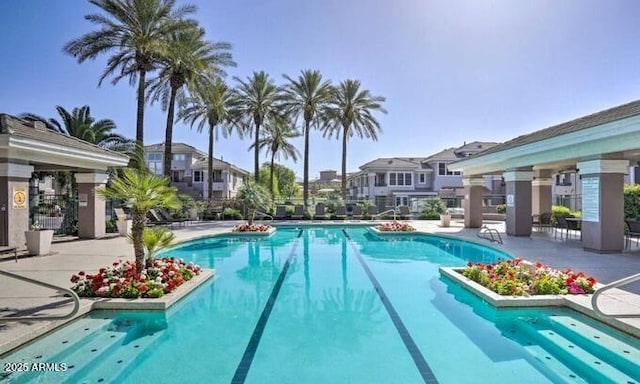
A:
(332, 305)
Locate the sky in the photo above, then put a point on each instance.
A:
(452, 71)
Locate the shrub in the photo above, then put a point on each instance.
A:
(559, 210)
(501, 208)
(434, 206)
(632, 201)
(232, 214)
(428, 216)
(111, 226)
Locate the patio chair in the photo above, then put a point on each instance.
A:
(321, 212)
(403, 212)
(633, 231)
(298, 212)
(341, 212)
(356, 213)
(281, 213)
(372, 211)
(562, 226)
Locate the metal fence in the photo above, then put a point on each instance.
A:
(56, 212)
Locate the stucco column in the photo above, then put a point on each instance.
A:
(518, 186)
(14, 203)
(91, 208)
(603, 204)
(372, 186)
(472, 203)
(541, 193)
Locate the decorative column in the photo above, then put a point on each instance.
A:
(371, 193)
(603, 204)
(472, 203)
(14, 203)
(91, 208)
(518, 188)
(541, 193)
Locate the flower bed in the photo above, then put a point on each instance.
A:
(518, 278)
(246, 227)
(120, 280)
(395, 226)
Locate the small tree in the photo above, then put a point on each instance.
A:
(253, 196)
(140, 191)
(155, 239)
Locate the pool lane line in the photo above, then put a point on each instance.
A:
(250, 351)
(409, 343)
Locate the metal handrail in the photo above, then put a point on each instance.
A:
(615, 284)
(262, 214)
(487, 233)
(74, 296)
(385, 212)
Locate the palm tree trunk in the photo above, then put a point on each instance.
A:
(305, 180)
(344, 162)
(168, 137)
(273, 155)
(256, 159)
(140, 111)
(210, 161)
(137, 227)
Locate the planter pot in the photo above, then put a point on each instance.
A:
(193, 214)
(38, 242)
(124, 227)
(445, 220)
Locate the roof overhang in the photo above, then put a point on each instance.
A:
(35, 151)
(615, 138)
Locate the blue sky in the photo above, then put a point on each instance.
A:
(451, 70)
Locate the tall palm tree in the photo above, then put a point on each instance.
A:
(213, 105)
(141, 191)
(136, 33)
(349, 114)
(79, 123)
(258, 98)
(189, 61)
(307, 96)
(277, 133)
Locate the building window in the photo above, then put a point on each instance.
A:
(423, 178)
(400, 178)
(179, 156)
(154, 162)
(402, 200)
(392, 179)
(380, 180)
(443, 171)
(197, 176)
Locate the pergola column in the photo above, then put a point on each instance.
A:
(14, 203)
(603, 204)
(472, 203)
(541, 192)
(91, 208)
(518, 188)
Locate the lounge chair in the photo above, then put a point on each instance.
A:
(372, 212)
(298, 212)
(341, 212)
(281, 213)
(120, 215)
(321, 212)
(403, 212)
(153, 218)
(164, 215)
(356, 213)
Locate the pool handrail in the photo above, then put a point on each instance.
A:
(74, 297)
(615, 284)
(261, 214)
(487, 233)
(385, 212)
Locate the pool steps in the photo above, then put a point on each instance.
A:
(567, 346)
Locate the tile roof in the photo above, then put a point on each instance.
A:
(175, 148)
(598, 118)
(217, 164)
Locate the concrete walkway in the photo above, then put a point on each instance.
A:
(68, 258)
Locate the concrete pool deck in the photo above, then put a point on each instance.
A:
(71, 257)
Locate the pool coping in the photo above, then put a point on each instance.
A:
(579, 303)
(90, 304)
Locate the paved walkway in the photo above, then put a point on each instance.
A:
(68, 258)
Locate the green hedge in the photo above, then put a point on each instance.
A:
(632, 201)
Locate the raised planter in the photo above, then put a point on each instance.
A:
(445, 220)
(193, 214)
(38, 242)
(383, 233)
(124, 227)
(497, 300)
(268, 232)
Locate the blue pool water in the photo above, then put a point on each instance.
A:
(332, 305)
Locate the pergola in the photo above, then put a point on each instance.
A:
(600, 147)
(27, 147)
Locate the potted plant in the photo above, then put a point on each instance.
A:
(38, 239)
(445, 218)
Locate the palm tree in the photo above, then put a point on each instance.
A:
(214, 105)
(141, 191)
(136, 32)
(278, 131)
(258, 99)
(189, 61)
(349, 114)
(307, 96)
(254, 197)
(79, 123)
